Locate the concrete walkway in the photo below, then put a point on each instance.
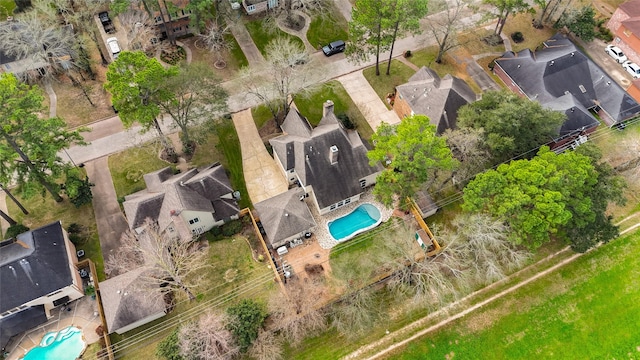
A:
(302, 34)
(249, 48)
(345, 8)
(109, 219)
(367, 101)
(261, 173)
(53, 99)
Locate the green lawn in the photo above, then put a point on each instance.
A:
(236, 52)
(587, 310)
(386, 84)
(327, 28)
(43, 211)
(6, 8)
(128, 167)
(261, 115)
(262, 36)
(229, 145)
(311, 106)
(233, 276)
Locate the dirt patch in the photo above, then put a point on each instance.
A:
(268, 130)
(81, 104)
(295, 22)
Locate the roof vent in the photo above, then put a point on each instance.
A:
(286, 214)
(518, 66)
(582, 88)
(572, 54)
(333, 154)
(551, 63)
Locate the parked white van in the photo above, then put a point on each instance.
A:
(112, 44)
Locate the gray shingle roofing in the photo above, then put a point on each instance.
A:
(310, 156)
(125, 301)
(284, 215)
(33, 266)
(560, 68)
(197, 190)
(437, 98)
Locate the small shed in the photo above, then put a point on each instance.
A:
(423, 239)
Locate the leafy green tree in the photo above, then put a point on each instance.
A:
(581, 22)
(536, 197)
(197, 96)
(169, 347)
(596, 226)
(136, 84)
(29, 144)
(503, 8)
(246, 320)
(412, 154)
(78, 188)
(513, 126)
(368, 30)
(15, 230)
(405, 15)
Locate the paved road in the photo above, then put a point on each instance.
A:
(109, 219)
(262, 175)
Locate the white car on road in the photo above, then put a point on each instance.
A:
(616, 53)
(632, 68)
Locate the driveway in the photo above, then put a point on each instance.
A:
(261, 173)
(109, 219)
(367, 101)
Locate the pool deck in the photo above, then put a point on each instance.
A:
(83, 315)
(322, 235)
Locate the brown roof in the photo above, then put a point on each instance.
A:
(632, 25)
(631, 8)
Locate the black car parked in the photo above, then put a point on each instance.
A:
(334, 48)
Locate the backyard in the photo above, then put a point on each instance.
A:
(586, 310)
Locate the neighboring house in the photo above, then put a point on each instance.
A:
(37, 273)
(328, 161)
(625, 26)
(174, 18)
(438, 98)
(561, 77)
(37, 63)
(258, 6)
(127, 305)
(634, 90)
(285, 217)
(185, 204)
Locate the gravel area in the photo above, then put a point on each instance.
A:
(325, 239)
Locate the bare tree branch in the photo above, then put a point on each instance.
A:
(207, 338)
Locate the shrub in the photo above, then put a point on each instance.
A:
(346, 122)
(78, 234)
(247, 319)
(169, 348)
(517, 37)
(15, 230)
(232, 228)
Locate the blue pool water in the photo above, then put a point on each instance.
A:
(66, 344)
(361, 219)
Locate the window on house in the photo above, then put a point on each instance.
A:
(332, 207)
(363, 183)
(177, 29)
(340, 203)
(193, 221)
(251, 8)
(158, 19)
(347, 201)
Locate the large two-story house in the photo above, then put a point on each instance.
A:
(328, 161)
(186, 204)
(37, 274)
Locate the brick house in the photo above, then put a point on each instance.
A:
(625, 26)
(560, 77)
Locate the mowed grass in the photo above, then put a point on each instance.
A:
(588, 309)
(44, 211)
(262, 36)
(127, 167)
(327, 28)
(386, 84)
(229, 146)
(6, 8)
(311, 106)
(232, 276)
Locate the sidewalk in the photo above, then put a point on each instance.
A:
(239, 31)
(261, 173)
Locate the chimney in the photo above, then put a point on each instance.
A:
(328, 108)
(333, 154)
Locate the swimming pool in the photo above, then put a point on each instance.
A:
(66, 344)
(363, 218)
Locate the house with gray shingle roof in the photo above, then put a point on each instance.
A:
(425, 93)
(285, 217)
(185, 204)
(126, 304)
(37, 274)
(559, 76)
(328, 161)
